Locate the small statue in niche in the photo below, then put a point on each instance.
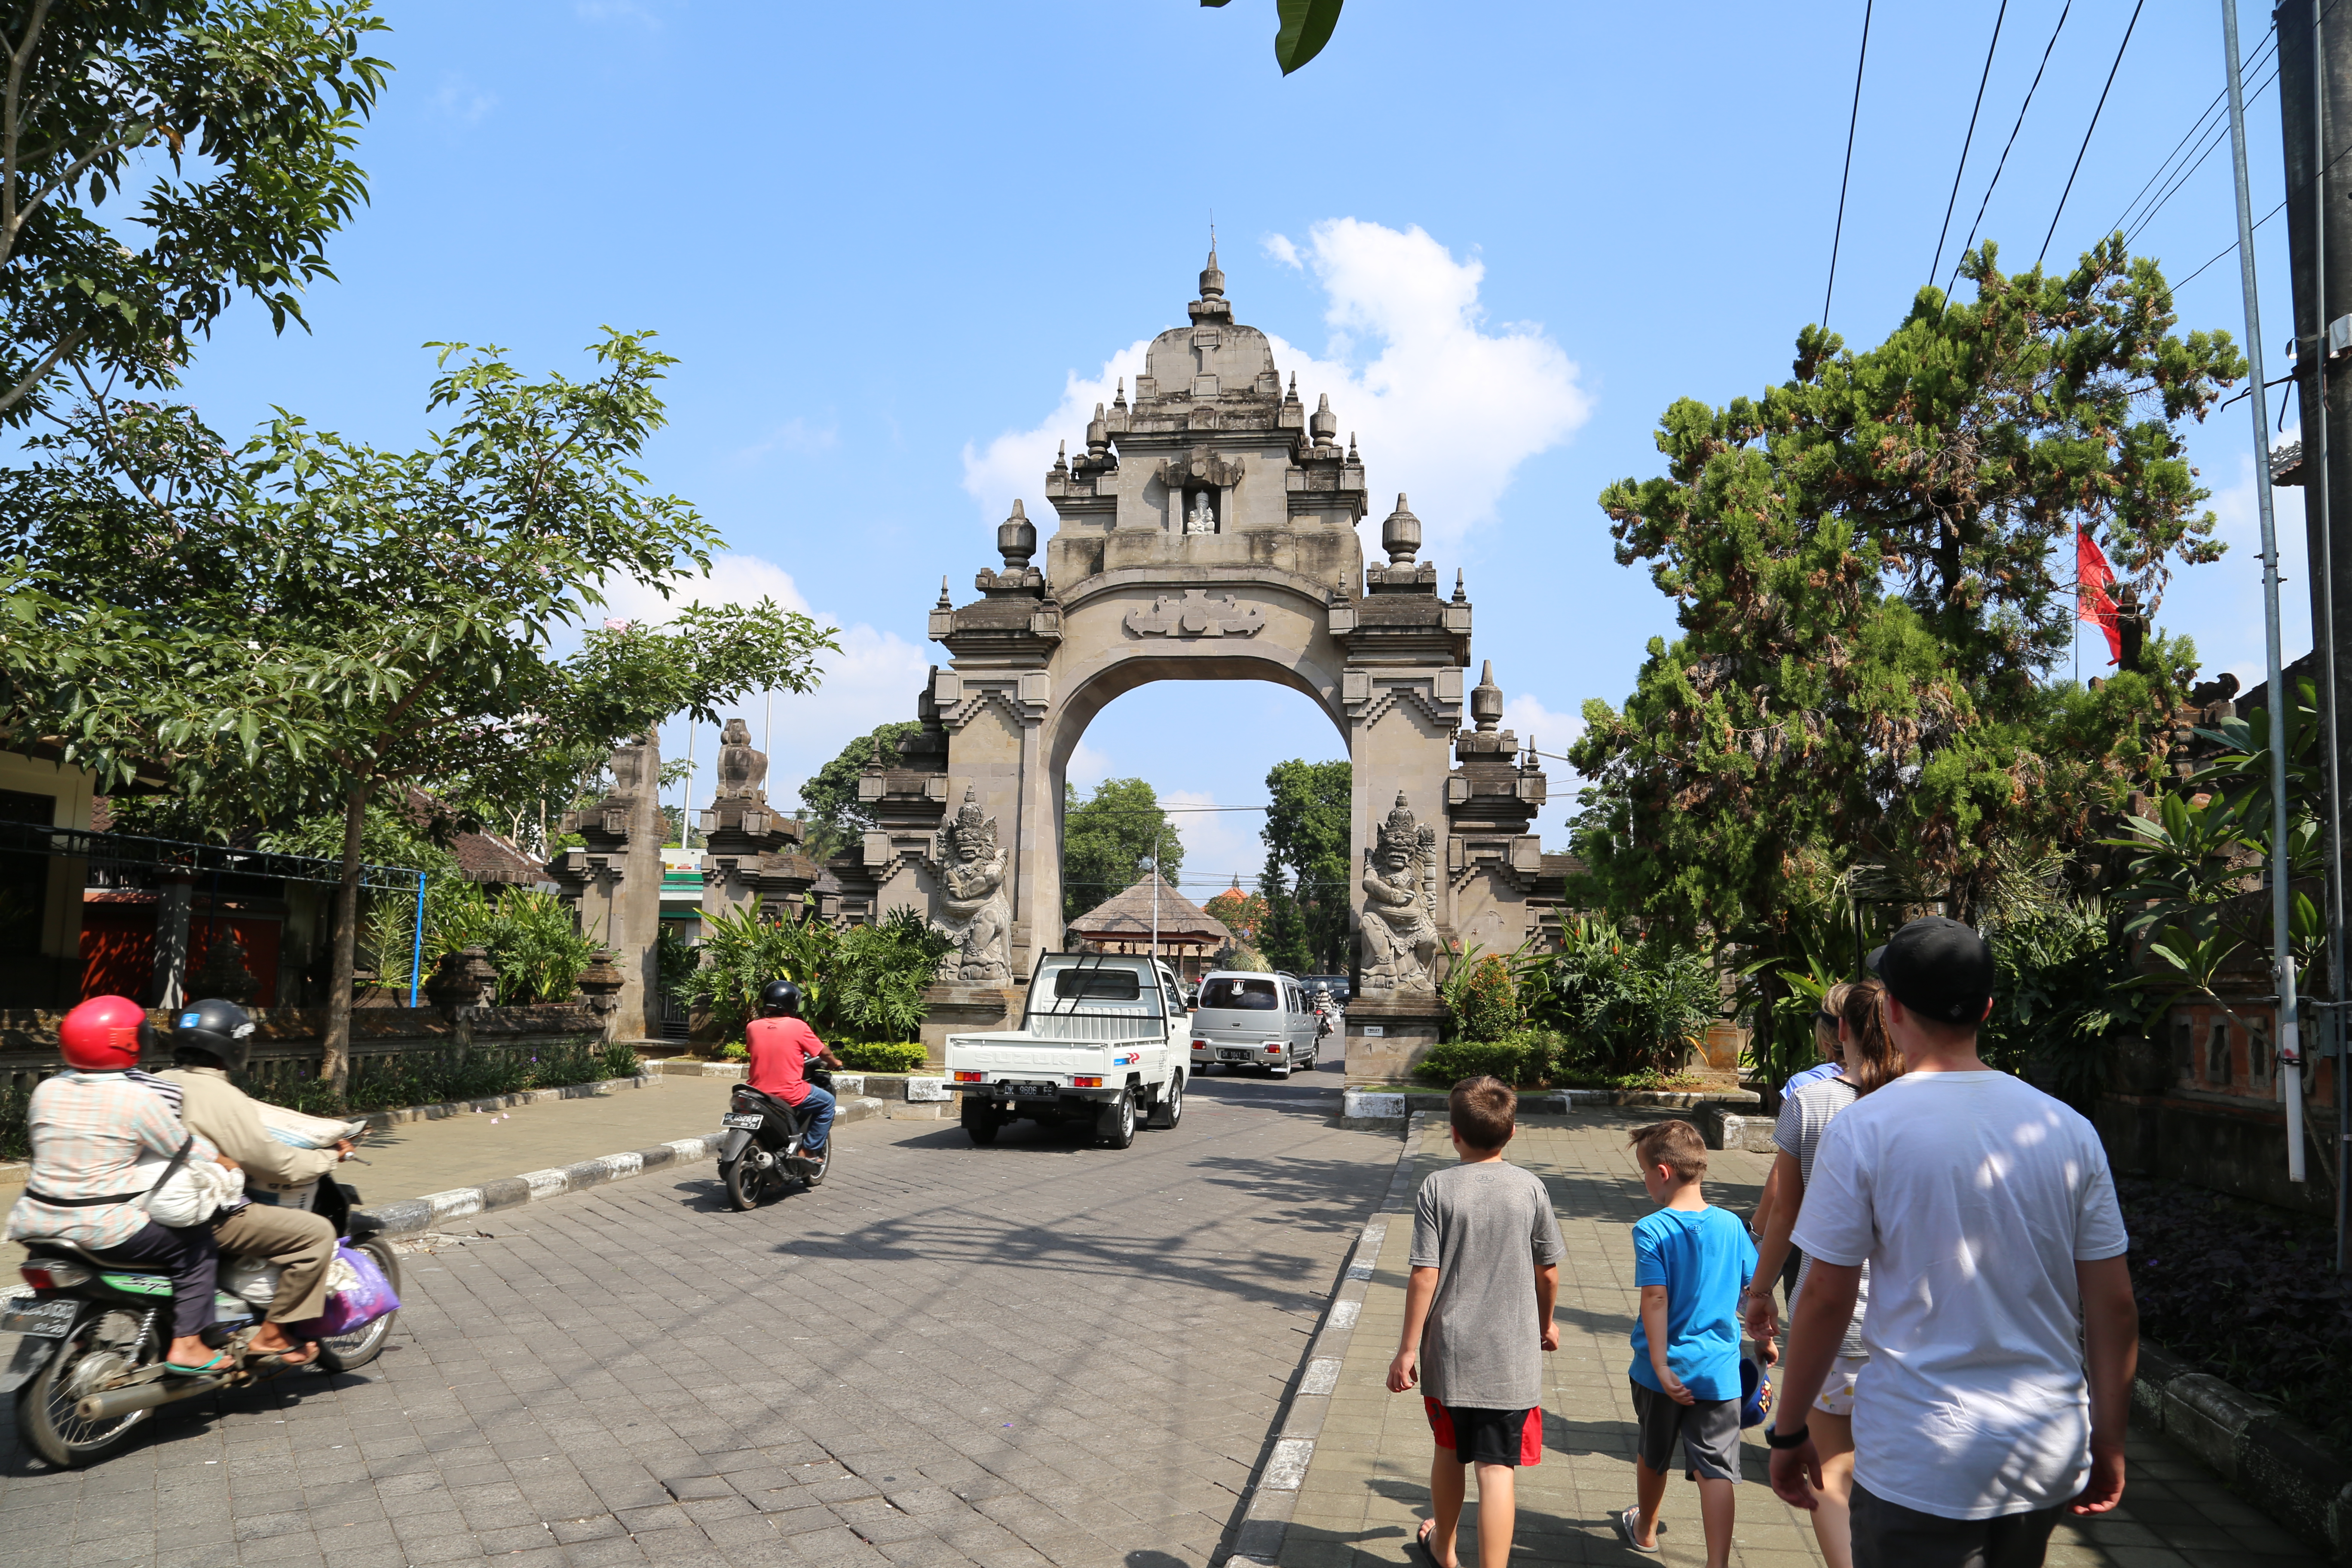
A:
(2131, 627)
(1203, 518)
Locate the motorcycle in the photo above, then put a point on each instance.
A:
(91, 1366)
(762, 1147)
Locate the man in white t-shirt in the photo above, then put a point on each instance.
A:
(1986, 1213)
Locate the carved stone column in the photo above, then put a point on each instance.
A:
(1492, 861)
(615, 882)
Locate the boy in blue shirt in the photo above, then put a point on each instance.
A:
(1691, 1264)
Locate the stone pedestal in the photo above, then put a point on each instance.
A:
(1388, 1032)
(966, 1010)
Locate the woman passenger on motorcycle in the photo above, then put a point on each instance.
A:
(781, 1047)
(90, 1124)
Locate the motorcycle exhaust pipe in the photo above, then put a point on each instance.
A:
(144, 1396)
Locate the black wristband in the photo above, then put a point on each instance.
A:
(1795, 1439)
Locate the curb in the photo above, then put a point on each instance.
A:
(2278, 1465)
(407, 1216)
(1274, 1495)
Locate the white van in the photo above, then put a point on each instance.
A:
(1246, 1020)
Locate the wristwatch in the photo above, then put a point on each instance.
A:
(1795, 1439)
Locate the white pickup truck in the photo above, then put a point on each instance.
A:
(1104, 1042)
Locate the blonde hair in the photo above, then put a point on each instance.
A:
(1825, 1036)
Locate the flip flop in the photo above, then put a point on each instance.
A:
(220, 1363)
(276, 1359)
(1623, 1519)
(1421, 1542)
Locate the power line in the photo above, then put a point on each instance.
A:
(1852, 119)
(2211, 146)
(2062, 15)
(2220, 103)
(1966, 143)
(2087, 131)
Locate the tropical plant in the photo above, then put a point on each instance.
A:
(865, 983)
(530, 938)
(677, 961)
(881, 972)
(1524, 1058)
(2063, 986)
(1625, 1002)
(1482, 1001)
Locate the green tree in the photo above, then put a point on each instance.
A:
(1307, 875)
(227, 122)
(308, 624)
(1112, 841)
(1242, 913)
(1866, 567)
(837, 818)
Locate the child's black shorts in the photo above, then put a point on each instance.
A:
(1512, 1437)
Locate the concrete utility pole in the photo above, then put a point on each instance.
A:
(2315, 121)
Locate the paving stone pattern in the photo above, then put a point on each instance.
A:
(1040, 1353)
(1368, 1487)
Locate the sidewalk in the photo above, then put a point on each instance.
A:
(411, 1158)
(1366, 1488)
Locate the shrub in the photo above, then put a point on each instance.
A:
(867, 1055)
(1522, 1059)
(1627, 1003)
(529, 936)
(868, 980)
(1486, 1004)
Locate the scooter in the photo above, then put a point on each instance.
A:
(762, 1147)
(91, 1366)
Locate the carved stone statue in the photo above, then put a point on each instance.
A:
(1200, 518)
(972, 891)
(2131, 627)
(742, 770)
(1400, 927)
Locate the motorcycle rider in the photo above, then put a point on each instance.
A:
(781, 1047)
(90, 1124)
(210, 1040)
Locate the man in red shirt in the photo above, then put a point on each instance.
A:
(780, 1047)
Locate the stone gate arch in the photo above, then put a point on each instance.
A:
(1207, 531)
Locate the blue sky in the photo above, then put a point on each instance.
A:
(897, 247)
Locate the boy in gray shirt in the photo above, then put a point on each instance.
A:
(1485, 1272)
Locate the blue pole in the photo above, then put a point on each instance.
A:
(416, 949)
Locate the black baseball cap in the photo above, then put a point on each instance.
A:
(1939, 968)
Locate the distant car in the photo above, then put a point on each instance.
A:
(1251, 1020)
(1338, 984)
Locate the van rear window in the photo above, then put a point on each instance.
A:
(1244, 995)
(1097, 985)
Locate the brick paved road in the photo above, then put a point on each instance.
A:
(1040, 1353)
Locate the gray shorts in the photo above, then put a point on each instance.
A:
(1709, 1431)
(1888, 1535)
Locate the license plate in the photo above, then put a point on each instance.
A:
(750, 1120)
(49, 1320)
(1234, 1056)
(1035, 1091)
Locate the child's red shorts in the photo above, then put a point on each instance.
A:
(1513, 1438)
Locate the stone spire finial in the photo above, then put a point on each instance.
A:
(1460, 597)
(1016, 538)
(1487, 701)
(1323, 423)
(1401, 534)
(946, 602)
(1212, 282)
(1097, 435)
(1293, 395)
(1351, 445)
(1120, 401)
(1062, 457)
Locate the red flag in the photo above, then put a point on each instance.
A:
(2093, 577)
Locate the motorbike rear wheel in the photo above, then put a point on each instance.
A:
(814, 1172)
(347, 1353)
(46, 1418)
(745, 1182)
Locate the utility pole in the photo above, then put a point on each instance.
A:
(2290, 1037)
(2315, 114)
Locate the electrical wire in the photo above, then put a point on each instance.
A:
(1852, 119)
(1966, 143)
(2213, 145)
(2066, 11)
(2196, 131)
(2087, 131)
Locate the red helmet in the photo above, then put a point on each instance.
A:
(103, 1034)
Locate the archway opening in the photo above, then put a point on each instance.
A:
(1201, 759)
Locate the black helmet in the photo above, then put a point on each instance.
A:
(216, 1028)
(780, 999)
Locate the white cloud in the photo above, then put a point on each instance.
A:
(461, 102)
(794, 434)
(874, 679)
(1444, 409)
(1536, 725)
(1088, 768)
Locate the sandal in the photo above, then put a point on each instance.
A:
(1421, 1542)
(1627, 1522)
(220, 1363)
(290, 1359)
